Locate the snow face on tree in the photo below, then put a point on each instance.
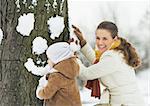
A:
(39, 45)
(25, 24)
(30, 65)
(39, 71)
(1, 35)
(56, 26)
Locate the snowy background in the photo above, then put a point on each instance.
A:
(132, 18)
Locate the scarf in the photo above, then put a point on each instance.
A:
(94, 85)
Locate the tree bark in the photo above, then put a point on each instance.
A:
(17, 85)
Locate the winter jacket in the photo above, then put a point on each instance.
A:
(117, 76)
(62, 89)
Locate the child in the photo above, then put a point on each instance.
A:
(61, 88)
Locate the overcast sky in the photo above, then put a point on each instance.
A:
(89, 13)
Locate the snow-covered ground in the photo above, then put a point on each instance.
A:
(87, 100)
(143, 79)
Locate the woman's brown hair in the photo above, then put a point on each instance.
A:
(129, 52)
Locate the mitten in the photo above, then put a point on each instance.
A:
(38, 89)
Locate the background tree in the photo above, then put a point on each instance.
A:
(17, 86)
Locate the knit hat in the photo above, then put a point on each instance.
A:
(59, 51)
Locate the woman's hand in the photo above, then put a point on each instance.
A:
(79, 35)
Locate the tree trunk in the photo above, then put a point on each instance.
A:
(17, 85)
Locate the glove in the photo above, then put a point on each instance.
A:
(42, 83)
(79, 35)
(38, 89)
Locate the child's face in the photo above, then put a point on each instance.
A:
(50, 62)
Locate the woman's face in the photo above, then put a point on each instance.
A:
(104, 39)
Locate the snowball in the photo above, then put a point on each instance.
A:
(39, 45)
(25, 24)
(1, 35)
(56, 26)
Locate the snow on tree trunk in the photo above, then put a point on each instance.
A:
(17, 85)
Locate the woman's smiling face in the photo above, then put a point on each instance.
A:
(104, 39)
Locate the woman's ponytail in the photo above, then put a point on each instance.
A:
(130, 54)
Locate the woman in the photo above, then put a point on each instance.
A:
(116, 65)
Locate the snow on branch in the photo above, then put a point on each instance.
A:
(1, 35)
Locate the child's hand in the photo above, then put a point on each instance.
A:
(38, 89)
(42, 83)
